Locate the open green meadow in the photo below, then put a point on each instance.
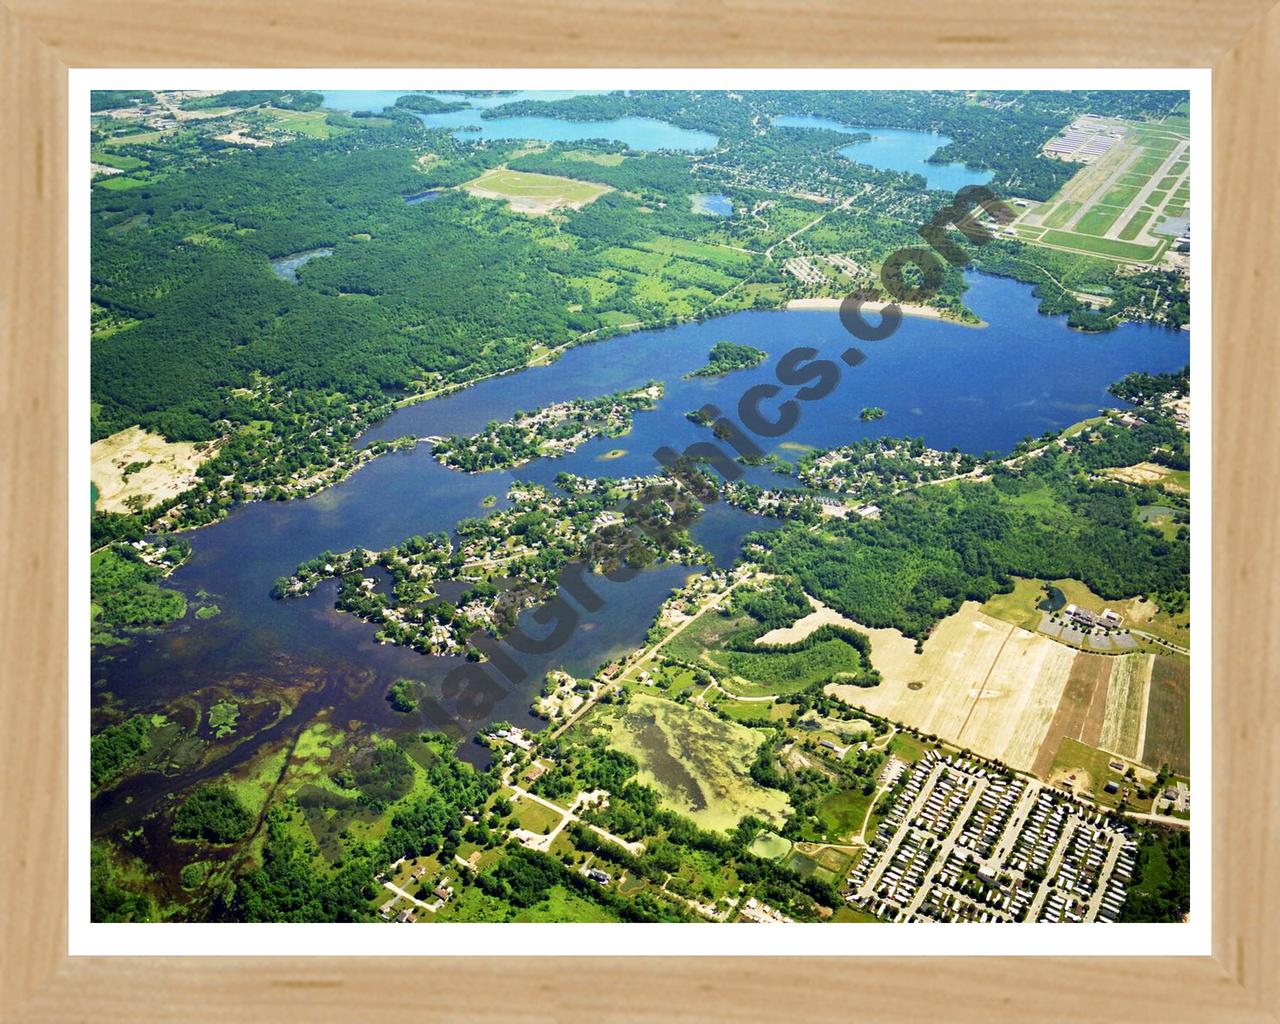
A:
(534, 193)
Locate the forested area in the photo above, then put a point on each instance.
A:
(1161, 885)
(289, 887)
(1150, 388)
(282, 98)
(115, 748)
(109, 901)
(125, 592)
(727, 356)
(937, 547)
(111, 99)
(212, 814)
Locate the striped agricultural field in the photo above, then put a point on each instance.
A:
(1124, 717)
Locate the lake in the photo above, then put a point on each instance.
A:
(640, 133)
(897, 149)
(712, 204)
(286, 267)
(977, 389)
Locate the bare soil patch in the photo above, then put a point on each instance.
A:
(136, 464)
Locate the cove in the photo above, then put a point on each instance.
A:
(897, 149)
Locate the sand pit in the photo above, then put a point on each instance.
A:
(134, 464)
(1146, 473)
(811, 623)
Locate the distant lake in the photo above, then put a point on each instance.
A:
(714, 204)
(286, 267)
(423, 196)
(641, 133)
(897, 149)
(377, 100)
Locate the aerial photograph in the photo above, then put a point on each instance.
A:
(639, 506)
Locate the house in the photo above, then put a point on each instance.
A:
(596, 875)
(1080, 616)
(443, 891)
(535, 772)
(1111, 787)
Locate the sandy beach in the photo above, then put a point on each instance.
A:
(926, 312)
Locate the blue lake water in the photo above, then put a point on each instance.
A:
(713, 204)
(639, 133)
(977, 389)
(286, 267)
(897, 149)
(376, 100)
(423, 197)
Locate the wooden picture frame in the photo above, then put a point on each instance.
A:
(42, 39)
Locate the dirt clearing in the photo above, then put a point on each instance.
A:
(134, 467)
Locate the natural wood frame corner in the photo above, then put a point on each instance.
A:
(41, 39)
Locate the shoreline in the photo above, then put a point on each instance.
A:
(907, 309)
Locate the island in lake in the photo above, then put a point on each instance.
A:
(725, 357)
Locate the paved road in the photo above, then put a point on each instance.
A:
(544, 841)
(948, 844)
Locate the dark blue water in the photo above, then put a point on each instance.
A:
(423, 197)
(714, 204)
(897, 149)
(977, 389)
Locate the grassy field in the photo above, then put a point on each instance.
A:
(697, 762)
(1062, 213)
(1135, 224)
(752, 674)
(1019, 605)
(1098, 220)
(534, 193)
(843, 812)
(310, 123)
(1168, 739)
(1103, 246)
(535, 817)
(852, 915)
(703, 252)
(1092, 770)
